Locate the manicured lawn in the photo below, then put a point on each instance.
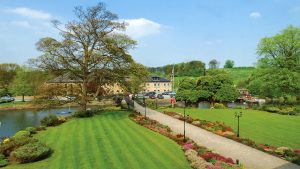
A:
(110, 140)
(260, 126)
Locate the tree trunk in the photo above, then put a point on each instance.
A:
(23, 100)
(83, 102)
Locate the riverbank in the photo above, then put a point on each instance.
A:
(13, 106)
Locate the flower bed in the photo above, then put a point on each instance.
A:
(226, 131)
(199, 157)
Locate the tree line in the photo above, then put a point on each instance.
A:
(277, 74)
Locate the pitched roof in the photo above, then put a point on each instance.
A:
(158, 79)
(66, 78)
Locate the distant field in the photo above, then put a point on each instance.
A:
(109, 141)
(260, 126)
(238, 74)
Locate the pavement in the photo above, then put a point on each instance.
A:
(251, 158)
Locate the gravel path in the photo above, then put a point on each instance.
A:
(250, 157)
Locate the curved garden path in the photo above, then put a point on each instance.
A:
(250, 157)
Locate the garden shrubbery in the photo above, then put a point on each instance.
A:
(23, 148)
(281, 109)
(32, 130)
(52, 120)
(219, 106)
(84, 114)
(3, 161)
(31, 152)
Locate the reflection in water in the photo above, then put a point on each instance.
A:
(13, 121)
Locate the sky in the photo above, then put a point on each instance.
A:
(167, 31)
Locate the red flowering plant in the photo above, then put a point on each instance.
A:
(210, 156)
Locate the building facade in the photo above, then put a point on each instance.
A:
(158, 85)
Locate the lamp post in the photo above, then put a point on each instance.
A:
(144, 99)
(238, 115)
(156, 102)
(184, 120)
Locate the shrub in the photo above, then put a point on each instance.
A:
(84, 114)
(195, 161)
(31, 152)
(32, 130)
(51, 120)
(288, 111)
(15, 143)
(272, 109)
(3, 163)
(40, 128)
(22, 134)
(219, 106)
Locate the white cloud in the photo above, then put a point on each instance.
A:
(142, 27)
(255, 14)
(31, 13)
(23, 24)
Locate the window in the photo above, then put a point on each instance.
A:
(157, 84)
(154, 90)
(158, 91)
(164, 84)
(154, 84)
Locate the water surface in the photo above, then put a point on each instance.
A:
(13, 121)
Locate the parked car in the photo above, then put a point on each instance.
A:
(172, 94)
(152, 96)
(5, 99)
(160, 96)
(166, 93)
(150, 93)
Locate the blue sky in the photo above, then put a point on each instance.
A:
(167, 31)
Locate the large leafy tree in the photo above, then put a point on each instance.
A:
(229, 64)
(91, 48)
(216, 86)
(7, 75)
(187, 90)
(21, 85)
(278, 73)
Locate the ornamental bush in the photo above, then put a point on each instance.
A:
(3, 162)
(15, 143)
(22, 134)
(219, 106)
(31, 152)
(51, 120)
(32, 130)
(84, 114)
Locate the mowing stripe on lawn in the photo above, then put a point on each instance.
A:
(93, 142)
(89, 134)
(133, 151)
(74, 145)
(173, 157)
(136, 133)
(117, 135)
(109, 155)
(152, 156)
(84, 149)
